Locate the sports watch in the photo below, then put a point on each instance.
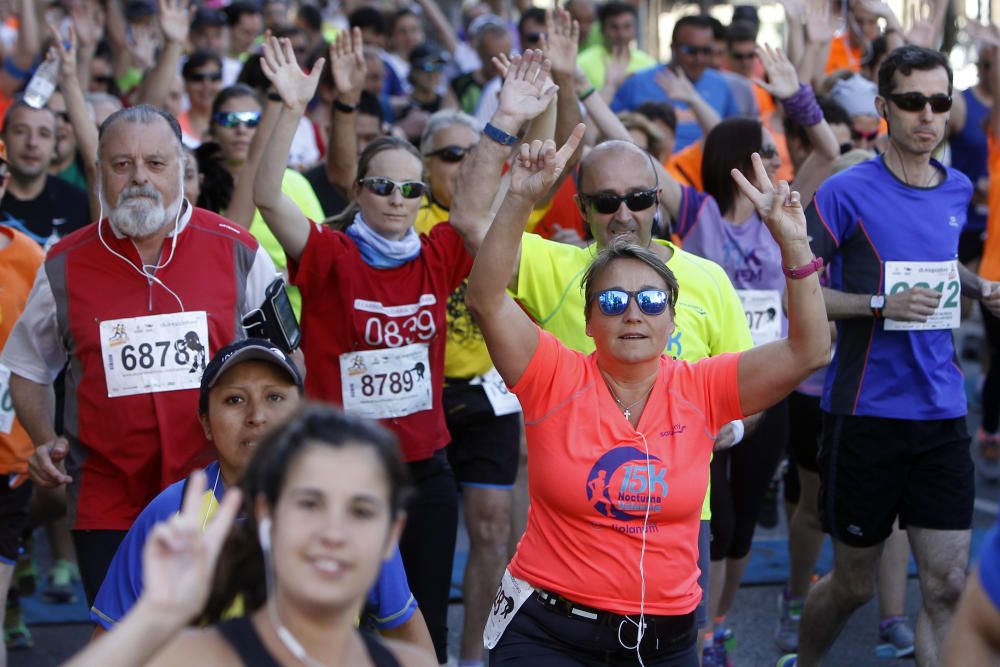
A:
(877, 304)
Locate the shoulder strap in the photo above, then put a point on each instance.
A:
(380, 654)
(241, 635)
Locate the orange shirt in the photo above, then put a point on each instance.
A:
(989, 266)
(685, 166)
(590, 482)
(19, 263)
(563, 212)
(843, 55)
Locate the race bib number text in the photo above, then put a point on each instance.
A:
(387, 383)
(502, 401)
(941, 277)
(763, 312)
(6, 404)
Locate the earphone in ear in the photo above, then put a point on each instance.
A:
(657, 222)
(264, 533)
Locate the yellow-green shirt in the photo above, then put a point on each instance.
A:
(297, 188)
(591, 61)
(709, 317)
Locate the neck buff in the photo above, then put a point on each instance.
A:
(380, 252)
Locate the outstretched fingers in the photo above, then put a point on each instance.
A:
(760, 173)
(748, 189)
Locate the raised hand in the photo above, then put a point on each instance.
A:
(67, 54)
(616, 66)
(178, 560)
(987, 35)
(779, 207)
(676, 85)
(537, 166)
(502, 62)
(347, 61)
(526, 92)
(175, 20)
(280, 67)
(783, 80)
(88, 23)
(561, 42)
(821, 24)
(795, 10)
(142, 46)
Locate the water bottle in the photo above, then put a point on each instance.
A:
(43, 82)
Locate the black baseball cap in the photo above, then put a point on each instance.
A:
(248, 349)
(205, 18)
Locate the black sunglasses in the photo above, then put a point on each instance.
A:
(736, 55)
(201, 77)
(231, 119)
(917, 101)
(532, 37)
(383, 187)
(689, 50)
(103, 80)
(614, 301)
(450, 153)
(607, 203)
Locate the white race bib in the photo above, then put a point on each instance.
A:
(939, 276)
(510, 596)
(503, 402)
(386, 383)
(155, 353)
(762, 308)
(6, 404)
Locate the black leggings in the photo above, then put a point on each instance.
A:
(740, 477)
(991, 384)
(428, 543)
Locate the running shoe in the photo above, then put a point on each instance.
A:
(988, 459)
(789, 615)
(16, 635)
(715, 656)
(787, 660)
(60, 585)
(767, 516)
(724, 637)
(895, 641)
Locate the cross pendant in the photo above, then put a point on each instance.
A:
(628, 414)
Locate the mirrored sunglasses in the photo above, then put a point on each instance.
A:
(383, 187)
(231, 119)
(650, 301)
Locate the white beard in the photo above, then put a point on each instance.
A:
(140, 213)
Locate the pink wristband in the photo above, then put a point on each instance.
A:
(800, 272)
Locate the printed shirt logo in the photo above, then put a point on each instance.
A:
(622, 484)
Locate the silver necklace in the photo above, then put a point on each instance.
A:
(627, 409)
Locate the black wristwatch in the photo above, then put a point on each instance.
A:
(344, 108)
(877, 304)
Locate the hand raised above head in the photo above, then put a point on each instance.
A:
(526, 92)
(777, 205)
(538, 165)
(282, 70)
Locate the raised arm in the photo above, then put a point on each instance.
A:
(821, 26)
(770, 372)
(347, 62)
(798, 101)
(795, 34)
(174, 22)
(29, 43)
(442, 27)
(88, 23)
(296, 89)
(178, 562)
(561, 46)
(76, 109)
(510, 334)
(678, 87)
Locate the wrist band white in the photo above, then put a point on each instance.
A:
(738, 431)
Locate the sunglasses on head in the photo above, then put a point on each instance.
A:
(450, 153)
(735, 55)
(917, 101)
(689, 50)
(607, 203)
(231, 119)
(383, 187)
(650, 301)
(201, 77)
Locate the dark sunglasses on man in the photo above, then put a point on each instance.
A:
(940, 103)
(689, 50)
(450, 153)
(201, 77)
(736, 55)
(607, 203)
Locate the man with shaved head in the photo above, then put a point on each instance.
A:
(131, 302)
(622, 193)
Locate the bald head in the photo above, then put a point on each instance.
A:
(610, 156)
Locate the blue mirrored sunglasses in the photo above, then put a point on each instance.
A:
(233, 118)
(650, 301)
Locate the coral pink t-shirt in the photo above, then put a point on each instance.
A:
(589, 483)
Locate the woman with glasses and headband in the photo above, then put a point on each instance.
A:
(619, 440)
(322, 505)
(373, 318)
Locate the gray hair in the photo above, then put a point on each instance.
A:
(143, 114)
(444, 119)
(618, 249)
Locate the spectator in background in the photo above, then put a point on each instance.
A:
(208, 31)
(857, 96)
(310, 21)
(405, 34)
(246, 23)
(584, 13)
(66, 162)
(531, 28)
(275, 13)
(645, 134)
(664, 118)
(491, 38)
(618, 22)
(44, 207)
(427, 65)
(203, 74)
(372, 25)
(735, 59)
(691, 48)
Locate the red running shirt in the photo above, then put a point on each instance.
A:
(349, 306)
(589, 483)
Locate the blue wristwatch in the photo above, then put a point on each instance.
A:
(498, 135)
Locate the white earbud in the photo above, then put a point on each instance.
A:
(264, 533)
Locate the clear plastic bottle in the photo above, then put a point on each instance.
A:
(43, 82)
